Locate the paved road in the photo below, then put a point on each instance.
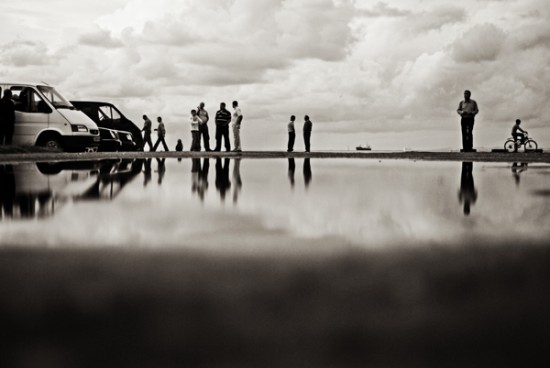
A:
(381, 155)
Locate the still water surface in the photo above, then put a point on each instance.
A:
(258, 206)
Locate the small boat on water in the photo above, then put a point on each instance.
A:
(363, 147)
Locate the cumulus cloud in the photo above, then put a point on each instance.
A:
(480, 43)
(100, 38)
(24, 53)
(381, 9)
(357, 68)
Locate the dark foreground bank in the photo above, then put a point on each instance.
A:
(477, 306)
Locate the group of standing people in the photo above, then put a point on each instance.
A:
(307, 128)
(199, 128)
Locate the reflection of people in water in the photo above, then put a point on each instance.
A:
(222, 177)
(467, 194)
(517, 170)
(146, 172)
(291, 169)
(7, 190)
(236, 179)
(161, 169)
(199, 176)
(203, 177)
(307, 172)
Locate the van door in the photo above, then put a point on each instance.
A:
(32, 115)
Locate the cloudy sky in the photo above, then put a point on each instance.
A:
(390, 73)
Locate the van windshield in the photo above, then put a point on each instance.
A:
(54, 97)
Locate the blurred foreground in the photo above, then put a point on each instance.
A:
(433, 306)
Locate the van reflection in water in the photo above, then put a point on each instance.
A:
(35, 190)
(467, 194)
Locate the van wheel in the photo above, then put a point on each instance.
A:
(51, 142)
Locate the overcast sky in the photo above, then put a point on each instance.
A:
(390, 73)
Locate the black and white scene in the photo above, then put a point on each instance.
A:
(274, 183)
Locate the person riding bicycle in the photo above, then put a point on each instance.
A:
(518, 136)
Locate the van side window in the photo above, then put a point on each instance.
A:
(28, 100)
(108, 113)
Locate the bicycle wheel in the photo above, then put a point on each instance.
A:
(510, 145)
(530, 145)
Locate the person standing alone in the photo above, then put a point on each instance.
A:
(223, 118)
(308, 127)
(236, 121)
(161, 131)
(291, 134)
(203, 127)
(467, 109)
(7, 118)
(147, 127)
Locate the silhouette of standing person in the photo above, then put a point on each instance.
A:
(467, 194)
(222, 177)
(291, 134)
(161, 132)
(307, 172)
(237, 182)
(308, 127)
(146, 172)
(194, 121)
(7, 118)
(147, 128)
(223, 118)
(467, 109)
(236, 121)
(291, 170)
(203, 126)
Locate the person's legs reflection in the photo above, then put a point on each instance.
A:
(291, 169)
(222, 177)
(146, 172)
(307, 172)
(467, 194)
(236, 179)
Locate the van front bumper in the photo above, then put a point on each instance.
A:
(81, 143)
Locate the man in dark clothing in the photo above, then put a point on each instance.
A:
(203, 126)
(467, 109)
(147, 128)
(7, 118)
(308, 126)
(223, 118)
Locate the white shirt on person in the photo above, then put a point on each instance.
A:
(236, 113)
(194, 122)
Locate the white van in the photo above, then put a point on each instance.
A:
(43, 117)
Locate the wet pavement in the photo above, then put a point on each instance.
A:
(239, 205)
(295, 262)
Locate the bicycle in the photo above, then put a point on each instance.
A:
(528, 144)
